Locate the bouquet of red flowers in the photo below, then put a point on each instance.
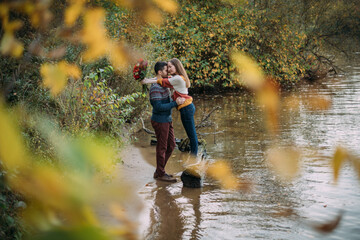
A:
(140, 71)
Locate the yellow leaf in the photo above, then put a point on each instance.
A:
(54, 77)
(40, 16)
(73, 12)
(94, 34)
(268, 97)
(100, 155)
(4, 10)
(167, 5)
(292, 102)
(153, 16)
(221, 171)
(356, 164)
(118, 57)
(11, 46)
(318, 103)
(250, 72)
(44, 184)
(338, 159)
(12, 151)
(70, 69)
(284, 161)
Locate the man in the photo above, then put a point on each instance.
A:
(162, 122)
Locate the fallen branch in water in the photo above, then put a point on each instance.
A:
(203, 122)
(145, 129)
(202, 134)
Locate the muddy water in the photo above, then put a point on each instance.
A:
(273, 209)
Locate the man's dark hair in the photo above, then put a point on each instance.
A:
(159, 66)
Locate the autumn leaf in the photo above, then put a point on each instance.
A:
(268, 97)
(291, 102)
(153, 16)
(39, 13)
(118, 56)
(167, 5)
(318, 103)
(283, 212)
(11, 46)
(73, 12)
(94, 34)
(328, 226)
(70, 69)
(249, 71)
(284, 161)
(12, 151)
(4, 10)
(221, 171)
(356, 164)
(338, 160)
(50, 187)
(13, 26)
(55, 76)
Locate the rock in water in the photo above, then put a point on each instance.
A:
(195, 168)
(190, 180)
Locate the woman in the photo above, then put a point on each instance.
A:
(179, 81)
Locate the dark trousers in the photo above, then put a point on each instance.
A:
(187, 118)
(165, 144)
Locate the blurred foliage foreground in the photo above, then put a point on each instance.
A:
(68, 63)
(58, 198)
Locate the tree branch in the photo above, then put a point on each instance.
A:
(201, 124)
(145, 129)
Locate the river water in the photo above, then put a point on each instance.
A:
(272, 209)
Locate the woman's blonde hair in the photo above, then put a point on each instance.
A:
(180, 70)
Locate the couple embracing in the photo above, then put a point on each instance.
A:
(170, 75)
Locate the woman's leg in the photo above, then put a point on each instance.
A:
(187, 119)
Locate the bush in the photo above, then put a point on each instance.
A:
(204, 34)
(10, 203)
(92, 105)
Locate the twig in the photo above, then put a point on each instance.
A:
(328, 61)
(202, 134)
(206, 117)
(145, 129)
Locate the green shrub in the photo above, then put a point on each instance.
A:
(92, 105)
(10, 203)
(204, 34)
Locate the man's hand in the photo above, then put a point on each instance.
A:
(180, 100)
(148, 80)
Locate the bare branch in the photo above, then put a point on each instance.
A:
(201, 124)
(145, 129)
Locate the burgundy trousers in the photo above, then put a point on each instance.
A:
(165, 144)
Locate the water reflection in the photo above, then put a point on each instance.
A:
(166, 221)
(176, 212)
(193, 197)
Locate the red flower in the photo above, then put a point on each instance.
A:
(140, 70)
